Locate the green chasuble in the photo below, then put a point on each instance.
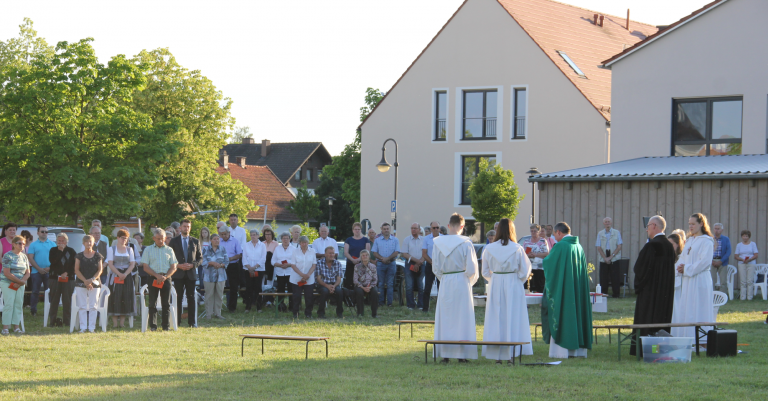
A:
(566, 310)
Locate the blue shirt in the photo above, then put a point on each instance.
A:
(232, 246)
(41, 250)
(356, 245)
(386, 247)
(429, 243)
(722, 249)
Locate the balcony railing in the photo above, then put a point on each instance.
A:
(440, 126)
(520, 127)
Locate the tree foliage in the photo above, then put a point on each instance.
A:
(19, 52)
(347, 164)
(239, 134)
(342, 217)
(70, 144)
(494, 194)
(306, 206)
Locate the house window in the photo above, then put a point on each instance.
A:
(309, 174)
(479, 114)
(702, 127)
(521, 110)
(470, 167)
(297, 176)
(573, 65)
(441, 115)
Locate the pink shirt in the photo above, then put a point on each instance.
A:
(6, 247)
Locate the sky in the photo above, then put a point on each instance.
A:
(296, 70)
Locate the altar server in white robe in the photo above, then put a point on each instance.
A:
(695, 303)
(506, 267)
(454, 263)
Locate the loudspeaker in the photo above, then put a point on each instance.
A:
(721, 343)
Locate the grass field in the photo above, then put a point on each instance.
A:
(367, 361)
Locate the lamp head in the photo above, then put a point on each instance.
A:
(533, 171)
(330, 200)
(383, 165)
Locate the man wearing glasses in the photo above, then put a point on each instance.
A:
(37, 254)
(426, 254)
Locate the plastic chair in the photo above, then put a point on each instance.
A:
(102, 305)
(720, 299)
(46, 306)
(145, 309)
(2, 304)
(731, 277)
(761, 269)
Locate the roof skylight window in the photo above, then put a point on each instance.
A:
(571, 63)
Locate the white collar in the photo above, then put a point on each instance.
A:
(658, 235)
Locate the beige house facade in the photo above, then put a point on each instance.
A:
(696, 88)
(515, 82)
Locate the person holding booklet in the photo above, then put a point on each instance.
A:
(159, 262)
(303, 276)
(13, 281)
(88, 267)
(121, 262)
(61, 280)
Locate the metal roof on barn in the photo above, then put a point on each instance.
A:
(667, 168)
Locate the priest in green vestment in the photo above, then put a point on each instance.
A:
(566, 312)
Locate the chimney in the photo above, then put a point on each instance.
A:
(264, 147)
(627, 19)
(241, 161)
(595, 21)
(225, 160)
(248, 141)
(601, 20)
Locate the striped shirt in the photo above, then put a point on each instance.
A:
(159, 259)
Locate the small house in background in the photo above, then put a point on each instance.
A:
(267, 191)
(291, 162)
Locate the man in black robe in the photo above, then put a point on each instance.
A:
(654, 279)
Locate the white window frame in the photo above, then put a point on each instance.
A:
(512, 108)
(434, 114)
(457, 177)
(459, 112)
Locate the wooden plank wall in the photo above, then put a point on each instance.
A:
(735, 203)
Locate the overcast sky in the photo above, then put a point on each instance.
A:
(297, 70)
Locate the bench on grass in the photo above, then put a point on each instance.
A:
(456, 342)
(634, 338)
(279, 294)
(594, 338)
(411, 322)
(263, 337)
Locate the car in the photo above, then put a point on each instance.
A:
(74, 234)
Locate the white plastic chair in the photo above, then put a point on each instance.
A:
(145, 309)
(102, 305)
(720, 299)
(2, 304)
(763, 287)
(731, 277)
(46, 306)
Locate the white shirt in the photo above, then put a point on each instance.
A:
(279, 255)
(746, 251)
(254, 255)
(320, 244)
(238, 233)
(303, 262)
(111, 257)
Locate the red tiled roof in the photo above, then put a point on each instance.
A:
(556, 26)
(266, 189)
(663, 31)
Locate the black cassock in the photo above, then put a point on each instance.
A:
(654, 284)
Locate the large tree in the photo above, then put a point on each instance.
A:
(19, 52)
(305, 206)
(347, 164)
(494, 194)
(342, 217)
(189, 182)
(70, 144)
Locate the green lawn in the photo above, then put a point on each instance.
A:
(366, 361)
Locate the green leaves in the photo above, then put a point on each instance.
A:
(306, 206)
(494, 194)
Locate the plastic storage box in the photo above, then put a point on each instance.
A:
(667, 349)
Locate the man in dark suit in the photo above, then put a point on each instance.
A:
(189, 255)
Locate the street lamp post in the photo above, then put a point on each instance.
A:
(384, 166)
(330, 200)
(533, 171)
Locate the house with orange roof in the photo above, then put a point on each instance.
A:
(695, 88)
(514, 82)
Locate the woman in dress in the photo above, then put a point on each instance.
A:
(696, 303)
(61, 280)
(215, 262)
(205, 242)
(303, 277)
(282, 259)
(121, 261)
(254, 258)
(365, 280)
(270, 243)
(678, 244)
(88, 267)
(536, 248)
(506, 267)
(352, 247)
(13, 282)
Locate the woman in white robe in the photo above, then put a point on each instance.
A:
(695, 303)
(506, 267)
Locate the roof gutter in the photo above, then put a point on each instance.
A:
(668, 177)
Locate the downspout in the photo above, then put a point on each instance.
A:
(607, 141)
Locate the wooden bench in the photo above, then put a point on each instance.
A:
(287, 338)
(456, 342)
(278, 294)
(594, 338)
(633, 335)
(411, 322)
